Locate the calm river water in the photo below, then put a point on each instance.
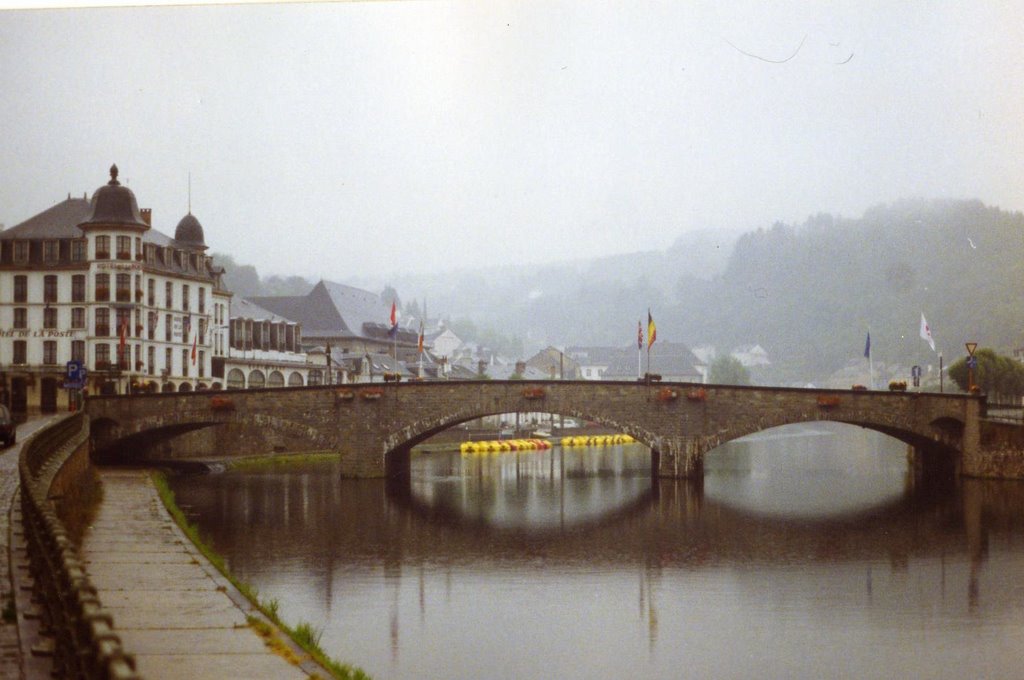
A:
(808, 551)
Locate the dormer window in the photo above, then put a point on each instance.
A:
(78, 250)
(51, 251)
(21, 251)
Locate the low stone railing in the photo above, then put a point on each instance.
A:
(85, 644)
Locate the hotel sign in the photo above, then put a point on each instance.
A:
(38, 333)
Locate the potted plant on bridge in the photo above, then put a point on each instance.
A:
(827, 401)
(667, 394)
(898, 385)
(697, 394)
(533, 393)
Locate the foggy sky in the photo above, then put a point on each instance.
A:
(353, 140)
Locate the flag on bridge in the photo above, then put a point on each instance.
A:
(926, 333)
(652, 330)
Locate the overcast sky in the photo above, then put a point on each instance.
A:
(353, 140)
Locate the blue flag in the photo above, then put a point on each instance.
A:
(867, 347)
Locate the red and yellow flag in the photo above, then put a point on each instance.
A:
(652, 330)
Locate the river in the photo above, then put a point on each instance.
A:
(807, 551)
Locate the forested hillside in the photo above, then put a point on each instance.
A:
(807, 293)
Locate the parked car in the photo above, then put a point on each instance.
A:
(8, 428)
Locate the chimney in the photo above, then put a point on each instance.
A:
(147, 216)
(481, 367)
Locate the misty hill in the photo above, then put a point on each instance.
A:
(807, 293)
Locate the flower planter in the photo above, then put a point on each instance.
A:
(372, 393)
(859, 388)
(667, 394)
(533, 393)
(344, 395)
(222, 404)
(898, 386)
(827, 401)
(699, 394)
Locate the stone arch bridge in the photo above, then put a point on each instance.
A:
(373, 427)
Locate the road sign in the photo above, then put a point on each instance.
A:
(972, 362)
(74, 367)
(971, 346)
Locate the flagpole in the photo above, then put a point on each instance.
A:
(639, 349)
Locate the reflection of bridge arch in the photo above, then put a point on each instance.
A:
(373, 427)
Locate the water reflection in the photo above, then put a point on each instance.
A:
(576, 565)
(533, 491)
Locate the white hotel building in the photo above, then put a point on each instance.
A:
(93, 282)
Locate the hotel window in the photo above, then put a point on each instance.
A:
(138, 357)
(20, 352)
(50, 288)
(78, 288)
(169, 295)
(20, 288)
(138, 248)
(102, 287)
(20, 317)
(78, 350)
(124, 247)
(78, 250)
(49, 352)
(151, 293)
(102, 247)
(78, 317)
(167, 360)
(202, 361)
(103, 322)
(202, 300)
(152, 321)
(51, 251)
(150, 253)
(124, 287)
(202, 331)
(185, 297)
(102, 356)
(21, 251)
(151, 355)
(50, 317)
(184, 362)
(167, 328)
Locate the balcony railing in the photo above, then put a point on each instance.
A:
(124, 294)
(102, 293)
(103, 330)
(102, 254)
(124, 255)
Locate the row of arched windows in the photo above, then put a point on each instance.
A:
(237, 380)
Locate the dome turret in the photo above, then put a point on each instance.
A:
(114, 205)
(189, 232)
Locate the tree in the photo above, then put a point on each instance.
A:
(389, 294)
(727, 370)
(995, 374)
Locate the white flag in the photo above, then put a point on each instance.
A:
(926, 333)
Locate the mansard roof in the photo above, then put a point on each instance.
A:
(56, 222)
(332, 310)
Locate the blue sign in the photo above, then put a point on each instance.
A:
(915, 371)
(75, 379)
(972, 362)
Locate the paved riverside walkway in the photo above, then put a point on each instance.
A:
(172, 609)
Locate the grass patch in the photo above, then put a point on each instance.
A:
(304, 635)
(281, 460)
